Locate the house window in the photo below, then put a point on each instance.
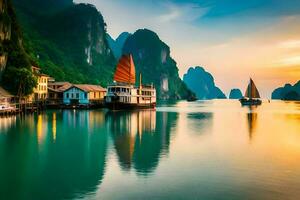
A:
(77, 95)
(67, 95)
(85, 95)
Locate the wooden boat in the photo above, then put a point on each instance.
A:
(252, 96)
(123, 94)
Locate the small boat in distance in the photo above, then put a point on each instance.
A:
(252, 96)
(123, 94)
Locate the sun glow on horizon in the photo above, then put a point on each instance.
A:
(233, 42)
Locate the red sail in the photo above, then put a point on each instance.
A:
(125, 72)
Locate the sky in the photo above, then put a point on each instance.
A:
(231, 39)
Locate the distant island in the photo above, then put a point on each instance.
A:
(70, 42)
(235, 94)
(287, 92)
(202, 84)
(117, 45)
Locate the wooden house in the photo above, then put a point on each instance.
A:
(55, 92)
(82, 94)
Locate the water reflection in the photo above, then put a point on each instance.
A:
(140, 138)
(78, 154)
(251, 121)
(6, 123)
(69, 163)
(54, 126)
(200, 122)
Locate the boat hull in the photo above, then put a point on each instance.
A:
(129, 106)
(250, 102)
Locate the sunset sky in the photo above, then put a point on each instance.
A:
(232, 39)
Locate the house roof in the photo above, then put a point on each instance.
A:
(51, 79)
(4, 93)
(58, 83)
(36, 71)
(45, 75)
(64, 86)
(90, 88)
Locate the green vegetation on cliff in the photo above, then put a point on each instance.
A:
(17, 76)
(152, 59)
(67, 40)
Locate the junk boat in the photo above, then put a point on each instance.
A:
(252, 96)
(123, 94)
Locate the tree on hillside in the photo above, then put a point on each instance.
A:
(17, 76)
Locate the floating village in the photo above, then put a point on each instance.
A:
(50, 94)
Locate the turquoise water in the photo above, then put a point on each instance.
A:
(196, 150)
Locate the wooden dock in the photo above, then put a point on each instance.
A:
(23, 108)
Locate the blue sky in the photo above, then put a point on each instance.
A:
(232, 39)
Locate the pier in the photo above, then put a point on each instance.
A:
(22, 108)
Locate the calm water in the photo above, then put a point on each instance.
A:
(199, 150)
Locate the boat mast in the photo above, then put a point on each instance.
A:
(250, 89)
(140, 86)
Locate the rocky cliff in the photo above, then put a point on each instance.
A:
(288, 92)
(67, 40)
(235, 94)
(152, 59)
(5, 32)
(202, 84)
(15, 67)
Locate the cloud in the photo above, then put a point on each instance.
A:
(179, 12)
(232, 41)
(290, 61)
(290, 44)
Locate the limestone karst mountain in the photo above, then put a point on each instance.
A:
(202, 84)
(152, 59)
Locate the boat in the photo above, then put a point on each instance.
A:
(252, 96)
(124, 94)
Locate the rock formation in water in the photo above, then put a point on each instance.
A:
(235, 94)
(288, 92)
(202, 83)
(117, 45)
(67, 40)
(152, 59)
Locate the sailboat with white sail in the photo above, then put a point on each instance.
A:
(123, 94)
(252, 96)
